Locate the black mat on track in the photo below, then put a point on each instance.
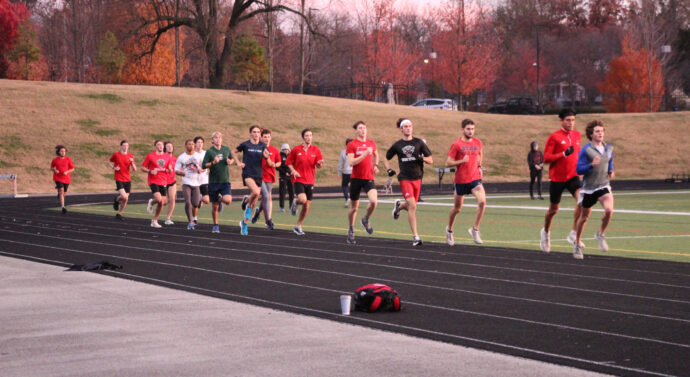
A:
(612, 315)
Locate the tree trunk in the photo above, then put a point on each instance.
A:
(177, 46)
(301, 51)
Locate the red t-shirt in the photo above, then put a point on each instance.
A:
(304, 161)
(171, 175)
(124, 161)
(158, 162)
(268, 173)
(561, 168)
(62, 164)
(468, 171)
(365, 168)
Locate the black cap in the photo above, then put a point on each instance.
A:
(566, 113)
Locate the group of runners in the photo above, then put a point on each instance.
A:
(206, 179)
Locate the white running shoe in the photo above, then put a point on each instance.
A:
(577, 252)
(168, 222)
(545, 243)
(149, 206)
(601, 239)
(449, 237)
(572, 237)
(154, 224)
(475, 235)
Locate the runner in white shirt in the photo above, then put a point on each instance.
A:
(188, 166)
(199, 153)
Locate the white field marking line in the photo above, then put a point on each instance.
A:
(545, 208)
(618, 193)
(92, 221)
(617, 238)
(377, 278)
(400, 267)
(281, 282)
(272, 304)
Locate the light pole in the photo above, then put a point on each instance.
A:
(666, 51)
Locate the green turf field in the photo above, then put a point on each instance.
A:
(651, 225)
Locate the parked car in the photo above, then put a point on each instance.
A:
(522, 105)
(436, 103)
(497, 108)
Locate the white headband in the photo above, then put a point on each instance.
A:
(404, 122)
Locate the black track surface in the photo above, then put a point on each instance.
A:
(611, 315)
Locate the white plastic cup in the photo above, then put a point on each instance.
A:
(345, 301)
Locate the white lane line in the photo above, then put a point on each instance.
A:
(545, 208)
(371, 277)
(396, 267)
(617, 238)
(271, 303)
(146, 230)
(281, 282)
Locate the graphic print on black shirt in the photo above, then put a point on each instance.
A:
(410, 154)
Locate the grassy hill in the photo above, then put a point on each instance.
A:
(92, 119)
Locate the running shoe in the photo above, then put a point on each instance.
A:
(190, 226)
(116, 204)
(149, 206)
(475, 235)
(545, 242)
(216, 229)
(270, 225)
(244, 228)
(601, 239)
(64, 210)
(220, 206)
(351, 236)
(416, 241)
(168, 222)
(449, 237)
(396, 209)
(244, 202)
(572, 237)
(248, 213)
(347, 203)
(119, 217)
(366, 225)
(293, 207)
(298, 231)
(195, 221)
(282, 209)
(541, 197)
(577, 252)
(154, 224)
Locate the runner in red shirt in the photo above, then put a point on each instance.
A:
(364, 159)
(62, 167)
(157, 165)
(466, 156)
(268, 169)
(303, 161)
(121, 162)
(171, 186)
(561, 151)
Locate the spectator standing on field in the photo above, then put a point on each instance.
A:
(535, 161)
(284, 178)
(344, 172)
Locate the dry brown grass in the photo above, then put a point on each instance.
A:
(91, 120)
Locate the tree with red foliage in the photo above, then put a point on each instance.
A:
(468, 58)
(520, 72)
(388, 57)
(11, 15)
(634, 82)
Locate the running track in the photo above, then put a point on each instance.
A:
(611, 315)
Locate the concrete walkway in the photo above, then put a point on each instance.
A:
(57, 323)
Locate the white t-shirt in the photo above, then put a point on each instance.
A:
(190, 165)
(203, 177)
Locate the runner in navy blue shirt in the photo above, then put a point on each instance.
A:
(253, 151)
